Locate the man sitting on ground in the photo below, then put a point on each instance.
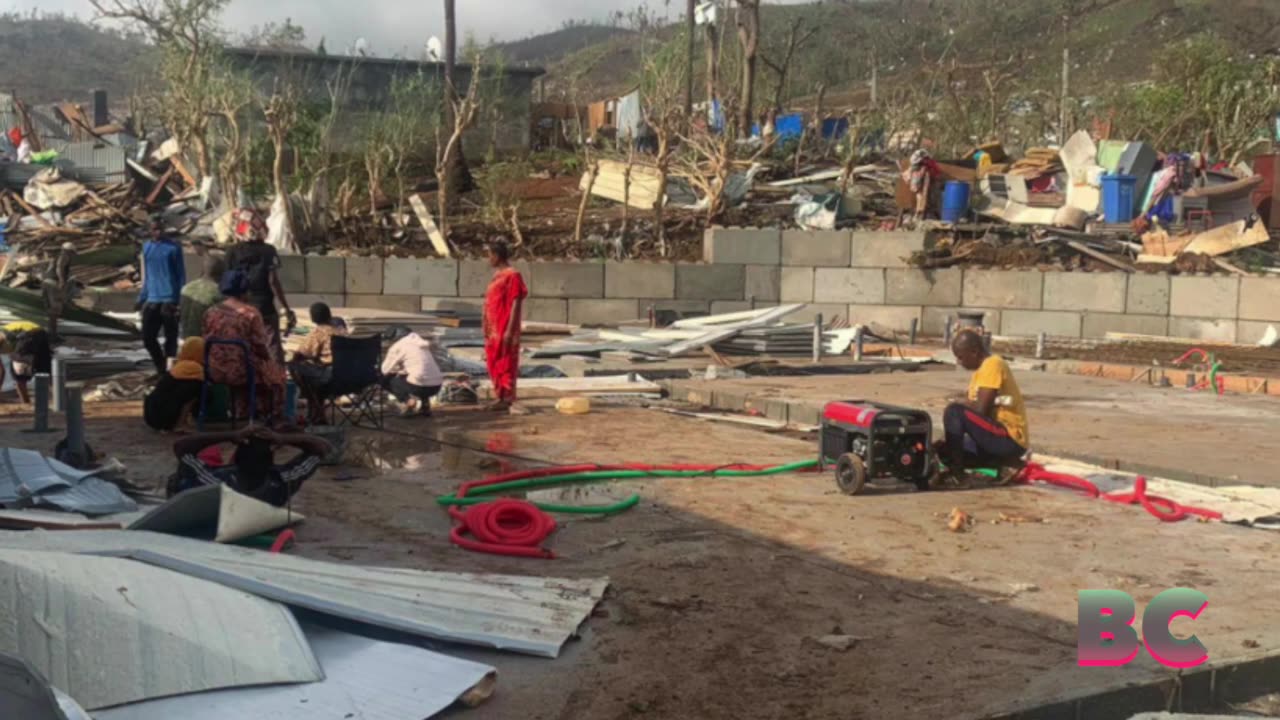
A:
(312, 365)
(252, 469)
(990, 430)
(410, 372)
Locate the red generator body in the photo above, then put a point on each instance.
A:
(868, 441)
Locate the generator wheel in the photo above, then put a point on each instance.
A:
(851, 474)
(925, 483)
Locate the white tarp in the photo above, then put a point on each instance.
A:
(108, 631)
(218, 513)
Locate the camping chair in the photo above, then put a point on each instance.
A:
(204, 387)
(357, 363)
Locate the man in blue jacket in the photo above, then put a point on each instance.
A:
(163, 275)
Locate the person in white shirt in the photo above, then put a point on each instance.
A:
(410, 372)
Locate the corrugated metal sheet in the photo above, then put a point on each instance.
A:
(90, 156)
(27, 474)
(532, 615)
(108, 631)
(364, 678)
(218, 513)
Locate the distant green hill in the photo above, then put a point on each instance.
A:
(51, 58)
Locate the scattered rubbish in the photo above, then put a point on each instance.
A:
(1021, 588)
(28, 478)
(1271, 338)
(841, 643)
(959, 521)
(573, 406)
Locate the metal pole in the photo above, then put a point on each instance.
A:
(817, 337)
(1041, 339)
(857, 345)
(59, 385)
(75, 426)
(946, 332)
(41, 422)
(915, 327)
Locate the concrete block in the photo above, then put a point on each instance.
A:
(1249, 332)
(710, 282)
(567, 280)
(474, 276)
(397, 303)
(1094, 292)
(1205, 297)
(848, 286)
(803, 414)
(935, 319)
(453, 304)
(293, 273)
(1029, 323)
(1097, 325)
(602, 312)
(1221, 330)
(639, 280)
(1148, 294)
(742, 246)
(762, 282)
(923, 287)
(806, 314)
(1260, 299)
(326, 274)
(546, 310)
(364, 275)
(420, 276)
(892, 317)
(302, 302)
(724, 307)
(668, 311)
(869, 248)
(815, 248)
(797, 284)
(1015, 289)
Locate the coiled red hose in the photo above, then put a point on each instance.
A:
(1163, 509)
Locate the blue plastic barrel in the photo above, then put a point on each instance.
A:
(1118, 198)
(955, 201)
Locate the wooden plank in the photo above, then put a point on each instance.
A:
(32, 211)
(429, 224)
(1228, 266)
(187, 177)
(1100, 257)
(160, 186)
(1228, 238)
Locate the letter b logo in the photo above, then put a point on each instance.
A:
(1107, 638)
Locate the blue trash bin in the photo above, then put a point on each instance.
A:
(1118, 198)
(955, 201)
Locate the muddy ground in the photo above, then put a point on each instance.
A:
(721, 588)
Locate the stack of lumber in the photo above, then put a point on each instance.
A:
(1038, 161)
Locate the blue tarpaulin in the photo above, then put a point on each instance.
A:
(835, 128)
(785, 127)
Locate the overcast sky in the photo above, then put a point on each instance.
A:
(391, 26)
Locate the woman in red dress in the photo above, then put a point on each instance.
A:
(503, 302)
(234, 319)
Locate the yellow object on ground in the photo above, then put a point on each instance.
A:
(574, 406)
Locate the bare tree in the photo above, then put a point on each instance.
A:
(748, 19)
(689, 28)
(229, 98)
(281, 113)
(463, 112)
(459, 175)
(797, 38)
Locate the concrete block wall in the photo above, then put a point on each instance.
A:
(859, 276)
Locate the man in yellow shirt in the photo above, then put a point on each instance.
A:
(27, 345)
(990, 430)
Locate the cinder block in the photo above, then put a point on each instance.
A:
(923, 287)
(474, 276)
(567, 280)
(326, 274)
(397, 303)
(602, 312)
(1029, 323)
(546, 310)
(1205, 297)
(869, 248)
(815, 248)
(1016, 289)
(803, 414)
(1148, 294)
(1260, 299)
(806, 314)
(1249, 332)
(1222, 330)
(293, 273)
(1097, 325)
(848, 286)
(797, 284)
(724, 307)
(668, 311)
(742, 246)
(452, 304)
(710, 282)
(639, 280)
(420, 276)
(763, 282)
(364, 275)
(892, 317)
(935, 319)
(1094, 292)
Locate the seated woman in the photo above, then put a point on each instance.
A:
(410, 372)
(30, 352)
(235, 320)
(172, 399)
(312, 366)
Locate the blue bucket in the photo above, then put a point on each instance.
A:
(955, 201)
(1118, 198)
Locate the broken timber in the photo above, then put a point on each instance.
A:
(429, 224)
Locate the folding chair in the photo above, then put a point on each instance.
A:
(204, 387)
(357, 363)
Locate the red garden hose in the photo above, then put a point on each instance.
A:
(1162, 508)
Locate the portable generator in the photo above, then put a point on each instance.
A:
(868, 441)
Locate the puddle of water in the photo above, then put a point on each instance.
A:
(603, 494)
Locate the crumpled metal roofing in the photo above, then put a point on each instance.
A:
(533, 615)
(109, 631)
(26, 475)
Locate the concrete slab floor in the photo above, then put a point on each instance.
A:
(721, 588)
(1172, 432)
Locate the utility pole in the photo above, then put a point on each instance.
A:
(459, 175)
(1064, 114)
(688, 80)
